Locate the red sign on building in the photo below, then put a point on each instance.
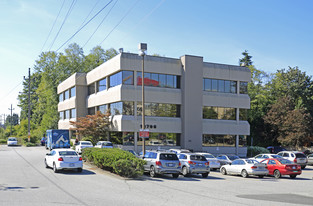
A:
(144, 133)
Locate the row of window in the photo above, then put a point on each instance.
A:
(67, 114)
(224, 86)
(127, 108)
(69, 93)
(212, 140)
(225, 113)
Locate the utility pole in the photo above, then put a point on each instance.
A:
(29, 80)
(11, 119)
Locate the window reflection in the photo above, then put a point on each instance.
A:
(91, 89)
(213, 140)
(73, 92)
(102, 85)
(223, 86)
(243, 87)
(219, 113)
(159, 80)
(159, 109)
(122, 108)
(66, 95)
(161, 139)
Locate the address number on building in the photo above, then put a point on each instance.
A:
(144, 133)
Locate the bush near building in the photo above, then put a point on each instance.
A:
(115, 160)
(255, 150)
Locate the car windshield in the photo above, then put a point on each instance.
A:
(300, 155)
(107, 144)
(197, 158)
(208, 156)
(67, 153)
(284, 161)
(233, 157)
(86, 143)
(168, 156)
(276, 156)
(12, 139)
(251, 161)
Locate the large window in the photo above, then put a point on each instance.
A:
(102, 108)
(123, 77)
(216, 85)
(67, 114)
(61, 115)
(122, 108)
(243, 114)
(73, 113)
(159, 80)
(73, 92)
(91, 88)
(211, 140)
(159, 109)
(161, 139)
(243, 87)
(66, 94)
(61, 97)
(102, 85)
(91, 111)
(225, 113)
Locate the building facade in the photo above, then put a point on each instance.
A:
(188, 103)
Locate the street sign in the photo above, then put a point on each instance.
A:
(144, 133)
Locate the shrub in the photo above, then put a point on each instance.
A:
(255, 150)
(116, 160)
(3, 141)
(30, 144)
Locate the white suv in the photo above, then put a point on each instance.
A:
(296, 157)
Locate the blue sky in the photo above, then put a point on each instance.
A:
(276, 33)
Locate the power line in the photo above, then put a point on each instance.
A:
(100, 23)
(67, 14)
(119, 21)
(84, 25)
(53, 26)
(89, 13)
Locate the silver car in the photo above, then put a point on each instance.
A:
(162, 162)
(214, 163)
(310, 159)
(193, 163)
(245, 167)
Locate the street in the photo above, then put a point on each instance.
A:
(24, 180)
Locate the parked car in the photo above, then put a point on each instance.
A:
(226, 159)
(310, 159)
(279, 167)
(178, 151)
(275, 149)
(261, 157)
(81, 145)
(214, 163)
(245, 167)
(12, 141)
(193, 163)
(104, 144)
(43, 141)
(296, 157)
(162, 162)
(133, 152)
(168, 142)
(155, 143)
(60, 159)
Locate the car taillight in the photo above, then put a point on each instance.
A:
(295, 160)
(60, 159)
(191, 162)
(266, 167)
(80, 159)
(207, 163)
(179, 164)
(254, 167)
(158, 163)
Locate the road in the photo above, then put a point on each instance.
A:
(24, 180)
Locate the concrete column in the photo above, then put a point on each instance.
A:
(192, 102)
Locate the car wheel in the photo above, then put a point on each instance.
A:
(223, 171)
(152, 171)
(46, 163)
(175, 176)
(244, 173)
(277, 174)
(293, 176)
(79, 169)
(261, 176)
(185, 171)
(205, 175)
(303, 167)
(55, 170)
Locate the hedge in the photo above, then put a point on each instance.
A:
(115, 160)
(3, 141)
(255, 150)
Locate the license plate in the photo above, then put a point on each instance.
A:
(295, 171)
(170, 165)
(71, 164)
(200, 164)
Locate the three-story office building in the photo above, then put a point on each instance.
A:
(188, 103)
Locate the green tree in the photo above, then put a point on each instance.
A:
(246, 60)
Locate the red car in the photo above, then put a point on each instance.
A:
(280, 166)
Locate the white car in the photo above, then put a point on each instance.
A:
(178, 151)
(214, 163)
(261, 157)
(104, 144)
(12, 141)
(81, 145)
(296, 157)
(245, 167)
(60, 159)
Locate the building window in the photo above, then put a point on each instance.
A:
(73, 113)
(122, 108)
(159, 109)
(242, 141)
(66, 94)
(212, 140)
(224, 113)
(223, 86)
(67, 114)
(91, 111)
(161, 139)
(91, 88)
(123, 77)
(125, 138)
(73, 92)
(61, 97)
(102, 108)
(102, 85)
(243, 114)
(159, 80)
(243, 87)
(61, 115)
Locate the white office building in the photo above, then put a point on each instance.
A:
(189, 103)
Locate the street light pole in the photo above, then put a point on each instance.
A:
(143, 48)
